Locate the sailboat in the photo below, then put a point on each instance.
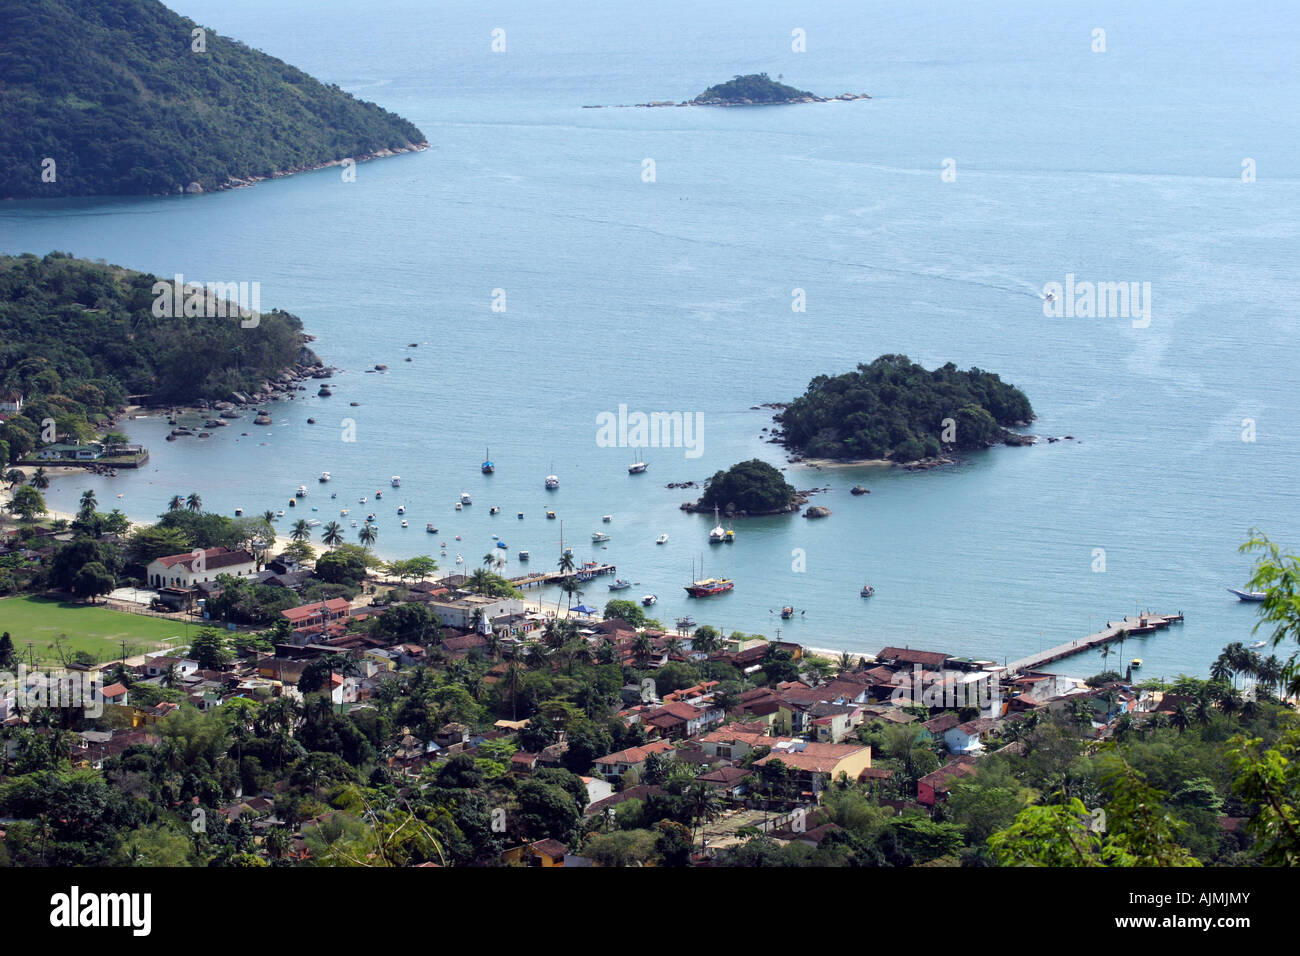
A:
(637, 467)
(487, 467)
(707, 587)
(718, 534)
(1251, 596)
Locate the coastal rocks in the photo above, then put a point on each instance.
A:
(681, 484)
(925, 464)
(193, 189)
(859, 490)
(817, 511)
(263, 418)
(1019, 441)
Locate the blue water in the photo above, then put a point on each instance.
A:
(675, 295)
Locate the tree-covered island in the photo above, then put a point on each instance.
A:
(748, 488)
(895, 409)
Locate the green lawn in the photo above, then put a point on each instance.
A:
(80, 627)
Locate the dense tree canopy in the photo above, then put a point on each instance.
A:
(753, 486)
(754, 87)
(894, 408)
(128, 106)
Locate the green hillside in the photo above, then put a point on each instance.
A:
(113, 92)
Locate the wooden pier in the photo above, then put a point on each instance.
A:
(1144, 623)
(543, 578)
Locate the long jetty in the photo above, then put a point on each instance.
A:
(1144, 623)
(541, 578)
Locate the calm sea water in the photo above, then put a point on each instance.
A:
(675, 295)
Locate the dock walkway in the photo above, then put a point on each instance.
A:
(1144, 623)
(542, 578)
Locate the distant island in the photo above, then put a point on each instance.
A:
(894, 410)
(114, 99)
(79, 340)
(753, 89)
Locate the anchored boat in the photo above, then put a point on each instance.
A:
(1251, 596)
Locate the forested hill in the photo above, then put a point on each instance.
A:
(895, 408)
(114, 94)
(78, 337)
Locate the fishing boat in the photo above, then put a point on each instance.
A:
(459, 506)
(719, 533)
(523, 555)
(787, 612)
(487, 467)
(465, 499)
(607, 518)
(361, 500)
(324, 477)
(430, 528)
(1135, 662)
(1251, 596)
(729, 537)
(550, 514)
(378, 494)
(867, 590)
(662, 539)
(239, 512)
(502, 544)
(520, 515)
(280, 513)
(401, 509)
(404, 523)
(343, 513)
(301, 492)
(293, 503)
(396, 481)
(598, 536)
(370, 517)
(620, 585)
(649, 599)
(494, 510)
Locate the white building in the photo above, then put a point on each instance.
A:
(187, 570)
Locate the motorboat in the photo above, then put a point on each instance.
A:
(313, 522)
(502, 544)
(396, 481)
(1257, 645)
(552, 482)
(729, 537)
(459, 506)
(620, 585)
(465, 499)
(867, 590)
(520, 516)
(280, 513)
(1249, 596)
(607, 518)
(401, 509)
(662, 539)
(361, 500)
(430, 528)
(1135, 662)
(404, 524)
(457, 537)
(523, 555)
(460, 559)
(494, 510)
(301, 492)
(378, 494)
(324, 477)
(550, 514)
(343, 513)
(649, 600)
(787, 612)
(598, 536)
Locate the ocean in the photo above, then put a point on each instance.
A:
(999, 153)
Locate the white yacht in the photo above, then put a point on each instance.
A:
(396, 481)
(662, 539)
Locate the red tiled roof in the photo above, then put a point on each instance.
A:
(213, 558)
(333, 606)
(635, 755)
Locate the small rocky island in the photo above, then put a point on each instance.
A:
(754, 89)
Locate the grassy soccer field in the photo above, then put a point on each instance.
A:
(79, 627)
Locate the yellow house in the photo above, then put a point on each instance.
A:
(543, 853)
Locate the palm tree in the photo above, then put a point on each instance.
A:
(513, 680)
(194, 502)
(367, 535)
(300, 531)
(705, 807)
(643, 647)
(1181, 718)
(566, 562)
(489, 559)
(176, 504)
(268, 516)
(14, 477)
(39, 480)
(88, 502)
(846, 661)
(332, 534)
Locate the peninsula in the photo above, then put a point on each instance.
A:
(142, 101)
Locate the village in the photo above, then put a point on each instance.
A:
(754, 734)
